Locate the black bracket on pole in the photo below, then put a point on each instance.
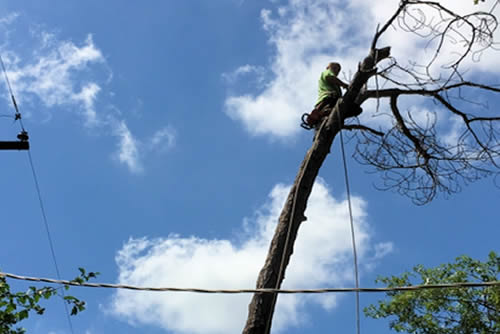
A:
(22, 144)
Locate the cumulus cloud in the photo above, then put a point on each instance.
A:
(322, 257)
(302, 33)
(307, 34)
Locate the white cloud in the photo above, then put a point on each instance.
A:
(302, 34)
(407, 46)
(244, 70)
(52, 77)
(87, 96)
(132, 151)
(382, 249)
(128, 151)
(163, 139)
(322, 257)
(65, 74)
(9, 18)
(456, 128)
(307, 34)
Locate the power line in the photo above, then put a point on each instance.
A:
(18, 114)
(49, 237)
(37, 186)
(458, 285)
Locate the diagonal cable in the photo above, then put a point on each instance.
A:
(49, 237)
(18, 114)
(37, 186)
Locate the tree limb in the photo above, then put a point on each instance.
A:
(363, 128)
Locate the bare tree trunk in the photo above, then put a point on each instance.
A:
(261, 308)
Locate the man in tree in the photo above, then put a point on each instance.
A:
(329, 84)
(328, 93)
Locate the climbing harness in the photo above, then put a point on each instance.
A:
(310, 121)
(23, 139)
(313, 120)
(306, 124)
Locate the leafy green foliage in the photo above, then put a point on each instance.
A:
(444, 311)
(16, 306)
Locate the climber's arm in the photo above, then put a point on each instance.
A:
(333, 80)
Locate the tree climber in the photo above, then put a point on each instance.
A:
(328, 93)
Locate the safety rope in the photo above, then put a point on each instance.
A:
(353, 237)
(285, 248)
(280, 273)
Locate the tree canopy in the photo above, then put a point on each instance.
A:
(444, 311)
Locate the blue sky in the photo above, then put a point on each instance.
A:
(165, 136)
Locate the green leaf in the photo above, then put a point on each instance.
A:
(23, 314)
(10, 308)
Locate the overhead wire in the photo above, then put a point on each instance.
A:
(458, 285)
(18, 114)
(49, 237)
(39, 194)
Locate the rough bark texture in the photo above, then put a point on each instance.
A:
(261, 308)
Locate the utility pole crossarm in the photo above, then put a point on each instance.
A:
(14, 145)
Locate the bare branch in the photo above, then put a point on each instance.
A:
(363, 128)
(388, 24)
(370, 94)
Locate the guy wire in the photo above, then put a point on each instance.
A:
(37, 186)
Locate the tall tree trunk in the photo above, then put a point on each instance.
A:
(261, 308)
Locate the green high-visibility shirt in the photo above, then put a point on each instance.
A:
(325, 88)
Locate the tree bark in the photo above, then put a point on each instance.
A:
(261, 308)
